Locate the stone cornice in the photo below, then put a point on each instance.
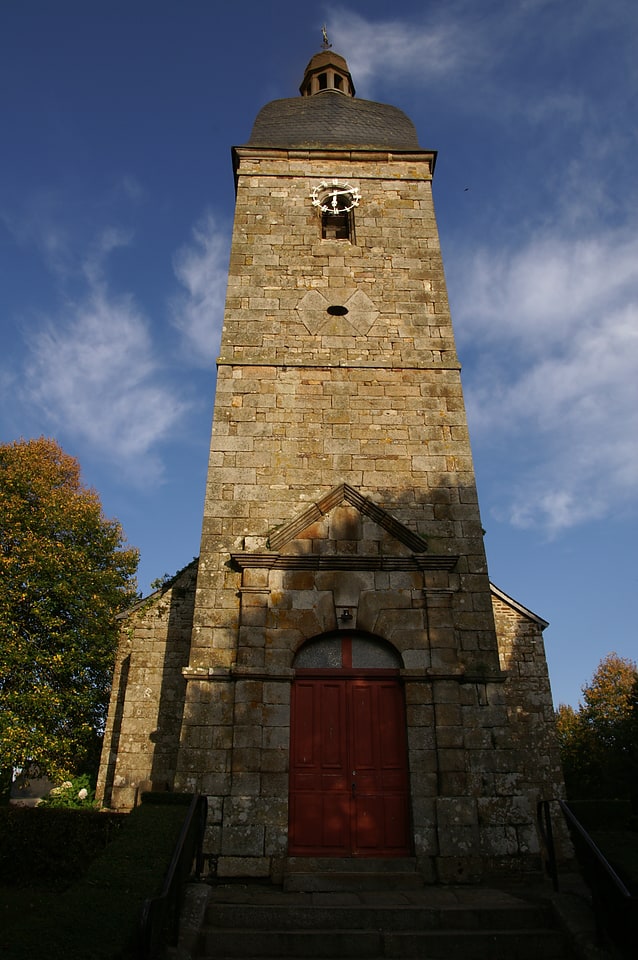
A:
(287, 675)
(278, 561)
(335, 154)
(284, 362)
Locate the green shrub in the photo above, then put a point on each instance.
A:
(75, 794)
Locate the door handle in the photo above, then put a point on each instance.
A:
(354, 788)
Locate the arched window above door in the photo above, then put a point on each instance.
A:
(347, 651)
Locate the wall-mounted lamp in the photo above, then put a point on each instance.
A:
(345, 616)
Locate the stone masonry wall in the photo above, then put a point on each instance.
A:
(148, 691)
(530, 713)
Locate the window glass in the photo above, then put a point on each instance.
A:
(374, 654)
(367, 653)
(325, 652)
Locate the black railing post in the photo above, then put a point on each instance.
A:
(546, 833)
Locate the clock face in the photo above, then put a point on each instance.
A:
(335, 196)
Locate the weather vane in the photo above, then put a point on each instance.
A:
(324, 36)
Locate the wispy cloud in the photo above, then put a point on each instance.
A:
(39, 225)
(492, 60)
(552, 329)
(92, 372)
(130, 187)
(94, 264)
(552, 287)
(393, 49)
(201, 268)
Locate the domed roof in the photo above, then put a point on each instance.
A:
(327, 114)
(331, 119)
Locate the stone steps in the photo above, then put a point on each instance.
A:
(336, 944)
(261, 921)
(399, 918)
(344, 875)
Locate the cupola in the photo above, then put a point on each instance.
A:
(327, 71)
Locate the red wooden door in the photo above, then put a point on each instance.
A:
(348, 768)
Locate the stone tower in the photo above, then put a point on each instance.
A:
(354, 686)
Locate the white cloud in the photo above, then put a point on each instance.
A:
(554, 285)
(553, 328)
(201, 268)
(93, 373)
(130, 187)
(390, 50)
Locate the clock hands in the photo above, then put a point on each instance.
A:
(335, 197)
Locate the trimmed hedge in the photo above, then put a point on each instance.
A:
(41, 846)
(97, 918)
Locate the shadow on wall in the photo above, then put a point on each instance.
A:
(176, 655)
(149, 703)
(116, 734)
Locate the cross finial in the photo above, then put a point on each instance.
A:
(324, 37)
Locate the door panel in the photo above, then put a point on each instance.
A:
(319, 786)
(348, 776)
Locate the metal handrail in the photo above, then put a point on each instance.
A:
(159, 923)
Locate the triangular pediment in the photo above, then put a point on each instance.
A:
(324, 536)
(345, 494)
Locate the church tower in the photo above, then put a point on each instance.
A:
(354, 686)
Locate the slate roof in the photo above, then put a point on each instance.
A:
(330, 118)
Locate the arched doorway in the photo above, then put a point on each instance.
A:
(349, 792)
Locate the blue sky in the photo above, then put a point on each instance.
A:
(116, 204)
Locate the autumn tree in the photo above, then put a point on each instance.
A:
(599, 740)
(65, 573)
